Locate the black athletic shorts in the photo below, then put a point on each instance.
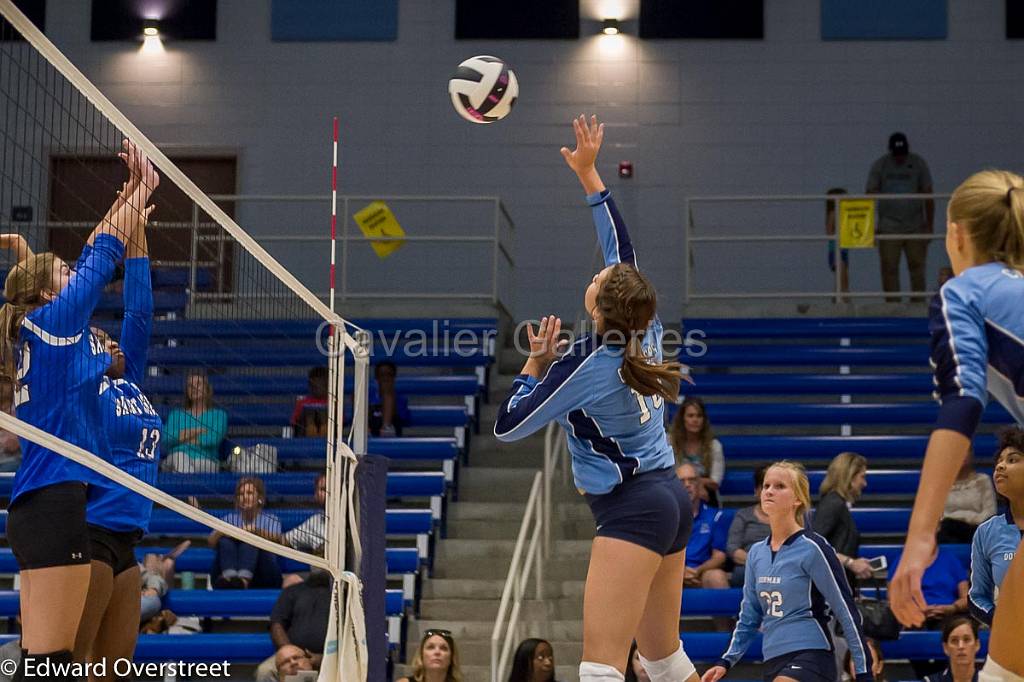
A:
(813, 665)
(651, 509)
(115, 549)
(46, 527)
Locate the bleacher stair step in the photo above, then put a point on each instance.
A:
(487, 609)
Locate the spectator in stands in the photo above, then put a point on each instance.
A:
(748, 526)
(830, 229)
(634, 668)
(944, 586)
(299, 620)
(193, 436)
(971, 502)
(239, 565)
(156, 574)
(309, 419)
(436, 660)
(534, 661)
(290, 660)
(961, 643)
(877, 663)
(693, 441)
(844, 482)
(705, 551)
(389, 410)
(900, 172)
(309, 535)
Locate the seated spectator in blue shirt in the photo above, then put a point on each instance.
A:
(944, 585)
(236, 564)
(389, 411)
(705, 552)
(961, 644)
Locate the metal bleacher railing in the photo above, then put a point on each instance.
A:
(791, 222)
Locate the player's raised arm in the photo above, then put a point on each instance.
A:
(611, 228)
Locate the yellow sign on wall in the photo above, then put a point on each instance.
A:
(376, 221)
(857, 223)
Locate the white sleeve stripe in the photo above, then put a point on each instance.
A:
(615, 232)
(48, 338)
(843, 604)
(952, 343)
(527, 418)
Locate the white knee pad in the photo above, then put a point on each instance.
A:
(599, 672)
(993, 672)
(674, 668)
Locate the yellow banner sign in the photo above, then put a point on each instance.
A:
(376, 221)
(857, 223)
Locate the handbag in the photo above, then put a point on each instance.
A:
(877, 619)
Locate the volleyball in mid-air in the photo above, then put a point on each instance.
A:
(483, 89)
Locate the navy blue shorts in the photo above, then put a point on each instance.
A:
(651, 509)
(814, 665)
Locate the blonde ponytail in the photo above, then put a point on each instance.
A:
(24, 292)
(990, 206)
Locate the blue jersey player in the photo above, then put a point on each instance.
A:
(793, 585)
(977, 326)
(608, 392)
(54, 366)
(118, 517)
(996, 541)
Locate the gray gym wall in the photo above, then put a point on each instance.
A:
(787, 115)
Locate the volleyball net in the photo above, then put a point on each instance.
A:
(244, 365)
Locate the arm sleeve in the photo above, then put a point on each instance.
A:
(980, 600)
(70, 312)
(138, 318)
(734, 540)
(717, 462)
(830, 579)
(611, 230)
(282, 612)
(959, 357)
(215, 427)
(568, 385)
(82, 257)
(747, 623)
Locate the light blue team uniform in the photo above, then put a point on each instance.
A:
(992, 549)
(129, 420)
(789, 595)
(614, 433)
(977, 326)
(60, 365)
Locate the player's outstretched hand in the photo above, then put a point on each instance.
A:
(588, 143)
(905, 597)
(713, 674)
(545, 345)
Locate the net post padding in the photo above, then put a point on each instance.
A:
(171, 172)
(87, 459)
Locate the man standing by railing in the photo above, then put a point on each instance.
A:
(900, 172)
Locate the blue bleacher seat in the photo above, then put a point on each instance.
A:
(808, 328)
(419, 449)
(291, 386)
(279, 414)
(724, 355)
(919, 384)
(307, 329)
(257, 355)
(199, 559)
(890, 552)
(768, 448)
(836, 413)
(880, 481)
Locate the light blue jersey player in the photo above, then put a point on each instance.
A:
(997, 540)
(608, 392)
(977, 325)
(793, 585)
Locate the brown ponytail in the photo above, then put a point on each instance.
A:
(627, 302)
(24, 292)
(990, 206)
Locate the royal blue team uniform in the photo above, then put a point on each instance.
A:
(118, 517)
(60, 364)
(790, 596)
(994, 545)
(621, 458)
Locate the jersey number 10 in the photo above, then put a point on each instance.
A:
(645, 412)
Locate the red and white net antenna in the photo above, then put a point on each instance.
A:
(334, 210)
